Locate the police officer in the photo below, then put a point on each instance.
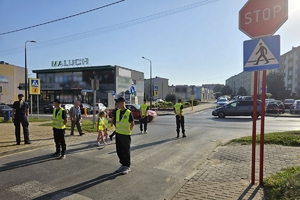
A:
(178, 110)
(124, 126)
(20, 114)
(144, 117)
(59, 126)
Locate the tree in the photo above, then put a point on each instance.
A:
(242, 91)
(218, 88)
(226, 90)
(171, 98)
(275, 83)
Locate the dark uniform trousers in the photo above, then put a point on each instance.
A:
(24, 121)
(59, 139)
(180, 123)
(123, 148)
(143, 121)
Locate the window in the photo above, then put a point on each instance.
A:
(233, 105)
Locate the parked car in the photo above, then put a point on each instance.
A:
(67, 107)
(275, 107)
(237, 108)
(135, 110)
(87, 106)
(295, 108)
(288, 103)
(267, 100)
(99, 107)
(159, 101)
(3, 109)
(222, 102)
(245, 98)
(34, 106)
(48, 108)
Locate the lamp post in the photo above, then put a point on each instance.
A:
(26, 84)
(151, 93)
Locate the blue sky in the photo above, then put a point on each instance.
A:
(197, 46)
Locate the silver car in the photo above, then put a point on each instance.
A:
(222, 102)
(295, 108)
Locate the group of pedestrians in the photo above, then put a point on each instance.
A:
(122, 120)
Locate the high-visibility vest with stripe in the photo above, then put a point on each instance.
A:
(123, 125)
(178, 108)
(58, 121)
(144, 109)
(101, 122)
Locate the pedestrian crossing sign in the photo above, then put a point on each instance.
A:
(34, 86)
(262, 53)
(156, 93)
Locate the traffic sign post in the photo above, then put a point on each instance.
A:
(156, 93)
(261, 18)
(34, 89)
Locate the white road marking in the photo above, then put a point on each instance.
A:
(69, 196)
(32, 189)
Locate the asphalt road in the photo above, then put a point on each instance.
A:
(160, 162)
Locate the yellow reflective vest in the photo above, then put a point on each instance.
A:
(58, 121)
(101, 123)
(177, 109)
(123, 125)
(144, 109)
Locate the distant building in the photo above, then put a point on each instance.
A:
(10, 78)
(162, 85)
(211, 86)
(290, 68)
(184, 92)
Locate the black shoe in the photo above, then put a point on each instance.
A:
(183, 135)
(111, 137)
(177, 136)
(18, 143)
(56, 155)
(72, 134)
(81, 134)
(28, 142)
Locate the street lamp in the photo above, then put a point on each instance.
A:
(26, 84)
(151, 93)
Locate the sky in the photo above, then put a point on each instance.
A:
(197, 46)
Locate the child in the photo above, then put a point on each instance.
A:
(106, 126)
(101, 128)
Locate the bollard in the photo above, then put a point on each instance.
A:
(84, 110)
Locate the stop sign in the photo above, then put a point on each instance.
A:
(260, 18)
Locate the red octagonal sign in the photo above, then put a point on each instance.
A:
(260, 18)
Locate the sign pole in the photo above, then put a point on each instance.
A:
(31, 105)
(262, 128)
(38, 107)
(254, 128)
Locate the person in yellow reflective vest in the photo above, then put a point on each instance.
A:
(101, 126)
(124, 126)
(113, 121)
(59, 126)
(144, 117)
(178, 110)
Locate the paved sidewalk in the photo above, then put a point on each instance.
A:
(39, 135)
(226, 173)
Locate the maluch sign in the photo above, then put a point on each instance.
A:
(72, 63)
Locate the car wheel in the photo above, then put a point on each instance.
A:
(221, 115)
(257, 115)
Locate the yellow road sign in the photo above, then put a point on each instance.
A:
(156, 93)
(34, 86)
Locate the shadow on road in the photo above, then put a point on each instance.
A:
(231, 119)
(252, 196)
(78, 187)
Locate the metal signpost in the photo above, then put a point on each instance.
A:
(95, 87)
(34, 89)
(259, 19)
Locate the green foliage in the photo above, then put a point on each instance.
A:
(29, 119)
(284, 94)
(186, 104)
(226, 90)
(283, 185)
(171, 98)
(288, 138)
(218, 88)
(195, 103)
(242, 91)
(275, 83)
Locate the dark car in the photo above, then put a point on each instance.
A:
(288, 103)
(275, 107)
(3, 109)
(34, 106)
(48, 108)
(237, 108)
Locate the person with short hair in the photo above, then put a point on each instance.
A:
(144, 117)
(20, 113)
(76, 118)
(178, 110)
(124, 126)
(59, 126)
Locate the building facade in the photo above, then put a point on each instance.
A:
(162, 88)
(289, 67)
(10, 78)
(243, 79)
(184, 92)
(70, 84)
